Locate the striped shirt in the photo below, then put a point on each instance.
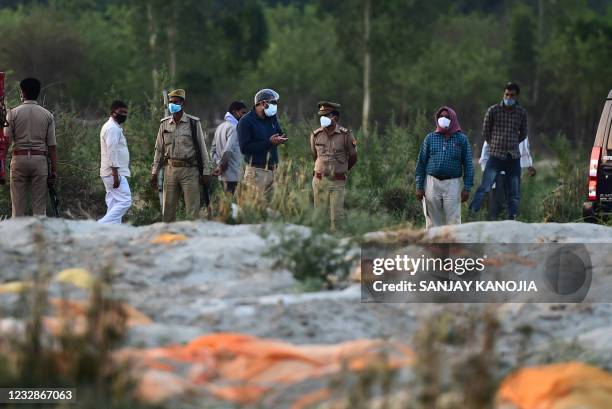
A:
(504, 129)
(443, 157)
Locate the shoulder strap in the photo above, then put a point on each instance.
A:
(196, 144)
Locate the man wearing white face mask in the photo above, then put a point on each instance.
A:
(334, 153)
(444, 157)
(259, 134)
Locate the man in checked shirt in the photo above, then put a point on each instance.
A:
(444, 157)
(504, 128)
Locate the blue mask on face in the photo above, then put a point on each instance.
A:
(509, 102)
(174, 108)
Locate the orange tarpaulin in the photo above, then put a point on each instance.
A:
(560, 386)
(168, 238)
(243, 369)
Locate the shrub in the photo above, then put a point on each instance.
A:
(315, 259)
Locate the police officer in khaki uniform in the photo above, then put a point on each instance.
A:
(334, 153)
(31, 129)
(175, 151)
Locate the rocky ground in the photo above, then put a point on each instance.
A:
(208, 277)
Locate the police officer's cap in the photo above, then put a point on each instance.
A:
(326, 107)
(177, 93)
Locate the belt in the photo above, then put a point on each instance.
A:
(20, 152)
(337, 176)
(264, 167)
(443, 177)
(176, 163)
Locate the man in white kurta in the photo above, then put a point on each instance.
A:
(115, 165)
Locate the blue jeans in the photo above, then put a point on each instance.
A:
(512, 167)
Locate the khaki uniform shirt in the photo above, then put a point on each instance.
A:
(174, 141)
(332, 152)
(30, 126)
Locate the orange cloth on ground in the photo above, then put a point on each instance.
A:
(243, 369)
(559, 386)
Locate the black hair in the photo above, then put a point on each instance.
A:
(513, 86)
(117, 104)
(30, 88)
(336, 113)
(236, 106)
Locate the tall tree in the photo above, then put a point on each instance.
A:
(523, 41)
(367, 67)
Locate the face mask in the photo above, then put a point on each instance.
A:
(509, 102)
(444, 122)
(325, 121)
(174, 108)
(271, 110)
(120, 118)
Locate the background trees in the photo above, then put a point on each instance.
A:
(420, 54)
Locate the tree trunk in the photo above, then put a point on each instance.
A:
(538, 70)
(153, 48)
(367, 66)
(171, 31)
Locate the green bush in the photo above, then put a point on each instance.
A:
(315, 259)
(564, 203)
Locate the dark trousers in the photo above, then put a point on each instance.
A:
(230, 187)
(498, 197)
(512, 167)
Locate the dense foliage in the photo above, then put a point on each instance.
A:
(423, 54)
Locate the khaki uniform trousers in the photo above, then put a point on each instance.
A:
(177, 180)
(29, 173)
(258, 181)
(329, 194)
(442, 202)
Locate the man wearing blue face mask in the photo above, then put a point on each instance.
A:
(259, 134)
(181, 149)
(504, 128)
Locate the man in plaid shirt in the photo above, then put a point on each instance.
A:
(445, 157)
(504, 128)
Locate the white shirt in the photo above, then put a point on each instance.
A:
(114, 150)
(526, 161)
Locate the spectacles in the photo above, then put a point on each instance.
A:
(273, 102)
